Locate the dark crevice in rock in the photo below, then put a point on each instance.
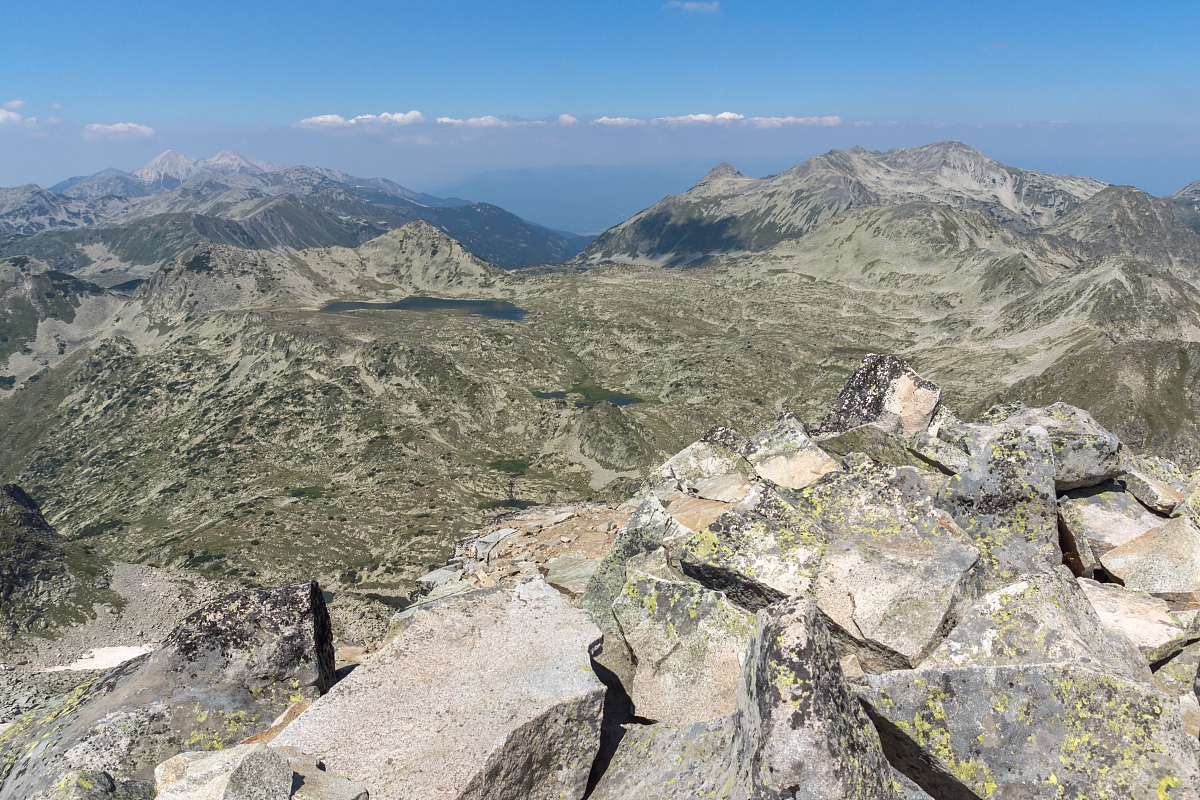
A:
(741, 590)
(617, 712)
(1072, 559)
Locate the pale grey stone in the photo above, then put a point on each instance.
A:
(243, 772)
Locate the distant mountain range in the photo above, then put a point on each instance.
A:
(729, 215)
(115, 226)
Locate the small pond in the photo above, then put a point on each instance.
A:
(495, 309)
(590, 396)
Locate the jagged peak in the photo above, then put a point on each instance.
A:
(1189, 192)
(723, 170)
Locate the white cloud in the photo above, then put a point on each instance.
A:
(121, 130)
(57, 106)
(700, 119)
(475, 122)
(566, 119)
(703, 8)
(338, 121)
(13, 105)
(10, 117)
(779, 122)
(618, 121)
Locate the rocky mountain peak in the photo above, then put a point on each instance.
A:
(722, 170)
(1189, 192)
(168, 167)
(229, 161)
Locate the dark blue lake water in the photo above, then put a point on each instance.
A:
(495, 309)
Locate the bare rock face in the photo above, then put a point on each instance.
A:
(1164, 561)
(688, 645)
(1144, 620)
(797, 731)
(886, 392)
(489, 694)
(1103, 517)
(1155, 481)
(223, 674)
(718, 452)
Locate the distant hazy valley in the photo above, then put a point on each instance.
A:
(215, 420)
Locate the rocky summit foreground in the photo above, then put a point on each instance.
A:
(899, 605)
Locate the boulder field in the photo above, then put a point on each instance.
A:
(900, 605)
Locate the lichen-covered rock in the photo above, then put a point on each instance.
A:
(785, 455)
(939, 454)
(244, 772)
(1085, 454)
(1164, 561)
(1155, 481)
(718, 452)
(670, 762)
(688, 643)
(644, 532)
(223, 674)
(1006, 505)
(886, 392)
(895, 574)
(757, 553)
(1043, 619)
(804, 735)
(311, 781)
(1102, 517)
(1144, 620)
(878, 445)
(486, 694)
(1178, 673)
(1043, 730)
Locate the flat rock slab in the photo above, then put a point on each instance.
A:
(1102, 518)
(1144, 620)
(688, 645)
(1164, 561)
(488, 694)
(1178, 674)
(1155, 481)
(1033, 731)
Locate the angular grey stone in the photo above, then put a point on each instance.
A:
(939, 454)
(225, 673)
(484, 545)
(644, 532)
(878, 445)
(785, 455)
(887, 392)
(571, 572)
(1032, 731)
(718, 452)
(803, 733)
(688, 644)
(310, 781)
(1155, 481)
(1102, 517)
(1178, 673)
(243, 772)
(1164, 561)
(1085, 454)
(1042, 619)
(1006, 505)
(668, 762)
(894, 575)
(1144, 620)
(487, 694)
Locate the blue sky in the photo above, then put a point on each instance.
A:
(1108, 89)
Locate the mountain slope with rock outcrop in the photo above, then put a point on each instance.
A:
(728, 213)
